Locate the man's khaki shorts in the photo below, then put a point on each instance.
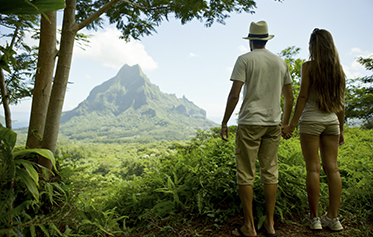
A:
(254, 141)
(318, 128)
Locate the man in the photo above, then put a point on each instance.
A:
(264, 77)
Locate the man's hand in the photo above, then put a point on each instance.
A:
(287, 131)
(224, 133)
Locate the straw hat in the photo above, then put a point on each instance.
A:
(259, 31)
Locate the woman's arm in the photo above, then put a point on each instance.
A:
(341, 119)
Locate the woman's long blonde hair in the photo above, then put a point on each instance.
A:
(326, 74)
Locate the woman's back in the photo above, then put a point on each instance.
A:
(311, 111)
(326, 75)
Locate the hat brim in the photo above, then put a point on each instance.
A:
(256, 38)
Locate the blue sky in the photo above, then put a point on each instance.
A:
(196, 61)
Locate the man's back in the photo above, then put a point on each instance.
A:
(264, 74)
(264, 77)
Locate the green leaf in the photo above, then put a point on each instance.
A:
(163, 190)
(32, 230)
(261, 221)
(30, 169)
(8, 136)
(43, 152)
(42, 227)
(20, 7)
(49, 188)
(28, 181)
(54, 227)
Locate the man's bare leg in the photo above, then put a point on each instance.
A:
(270, 191)
(247, 194)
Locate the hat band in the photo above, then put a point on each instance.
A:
(258, 36)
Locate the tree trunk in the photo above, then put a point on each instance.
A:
(43, 80)
(69, 30)
(5, 97)
(48, 126)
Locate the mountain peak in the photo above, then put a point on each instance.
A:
(128, 77)
(130, 100)
(131, 70)
(129, 74)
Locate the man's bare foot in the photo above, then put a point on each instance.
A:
(243, 231)
(269, 230)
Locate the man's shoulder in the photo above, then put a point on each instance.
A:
(258, 52)
(275, 57)
(272, 54)
(248, 56)
(245, 55)
(262, 54)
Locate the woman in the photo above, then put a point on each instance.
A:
(320, 111)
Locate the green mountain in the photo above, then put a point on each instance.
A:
(129, 108)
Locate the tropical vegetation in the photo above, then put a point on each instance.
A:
(139, 189)
(359, 96)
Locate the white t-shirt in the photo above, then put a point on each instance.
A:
(264, 74)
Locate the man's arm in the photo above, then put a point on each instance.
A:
(232, 101)
(287, 92)
(301, 100)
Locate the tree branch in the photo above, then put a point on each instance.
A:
(109, 5)
(15, 35)
(142, 7)
(97, 14)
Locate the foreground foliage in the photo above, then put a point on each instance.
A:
(359, 96)
(117, 190)
(199, 180)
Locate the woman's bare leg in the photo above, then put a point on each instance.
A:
(329, 153)
(310, 149)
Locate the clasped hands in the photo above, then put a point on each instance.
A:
(287, 131)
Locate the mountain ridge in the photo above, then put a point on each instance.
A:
(129, 101)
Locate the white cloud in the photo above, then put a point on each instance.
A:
(192, 55)
(355, 51)
(243, 48)
(355, 69)
(351, 71)
(106, 47)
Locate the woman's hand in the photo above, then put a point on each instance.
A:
(287, 131)
(341, 138)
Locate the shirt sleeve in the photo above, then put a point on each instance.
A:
(239, 70)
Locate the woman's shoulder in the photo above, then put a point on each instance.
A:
(308, 63)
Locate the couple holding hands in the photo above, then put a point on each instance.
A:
(319, 110)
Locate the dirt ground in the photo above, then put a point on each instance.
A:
(293, 228)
